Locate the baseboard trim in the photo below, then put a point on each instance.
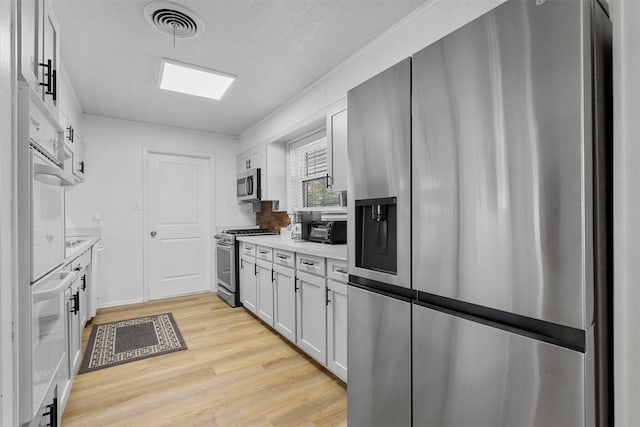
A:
(118, 303)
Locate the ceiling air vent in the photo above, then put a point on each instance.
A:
(173, 19)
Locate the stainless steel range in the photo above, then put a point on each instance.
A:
(227, 255)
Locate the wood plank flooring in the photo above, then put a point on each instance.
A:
(236, 372)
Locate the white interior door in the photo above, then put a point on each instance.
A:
(179, 222)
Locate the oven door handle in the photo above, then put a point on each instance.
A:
(46, 294)
(224, 291)
(61, 178)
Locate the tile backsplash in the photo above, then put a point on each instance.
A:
(268, 219)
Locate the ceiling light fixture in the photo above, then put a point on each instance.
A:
(194, 80)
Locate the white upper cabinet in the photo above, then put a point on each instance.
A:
(271, 159)
(39, 51)
(251, 159)
(337, 146)
(30, 33)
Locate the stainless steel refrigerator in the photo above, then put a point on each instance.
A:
(480, 216)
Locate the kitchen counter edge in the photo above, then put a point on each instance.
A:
(76, 251)
(338, 252)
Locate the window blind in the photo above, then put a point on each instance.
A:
(307, 160)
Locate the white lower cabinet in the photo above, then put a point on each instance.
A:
(284, 299)
(337, 328)
(311, 315)
(303, 297)
(265, 291)
(248, 283)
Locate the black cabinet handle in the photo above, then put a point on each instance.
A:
(273, 279)
(255, 269)
(73, 302)
(329, 177)
(51, 84)
(296, 285)
(70, 135)
(48, 84)
(327, 300)
(52, 413)
(54, 84)
(82, 166)
(84, 282)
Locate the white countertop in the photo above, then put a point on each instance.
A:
(283, 241)
(73, 252)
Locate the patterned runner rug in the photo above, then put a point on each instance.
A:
(129, 340)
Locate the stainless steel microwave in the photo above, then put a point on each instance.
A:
(248, 186)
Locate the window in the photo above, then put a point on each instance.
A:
(308, 173)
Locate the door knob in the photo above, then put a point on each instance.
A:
(153, 233)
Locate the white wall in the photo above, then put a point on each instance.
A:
(113, 188)
(626, 72)
(428, 23)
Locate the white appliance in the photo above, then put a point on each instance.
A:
(248, 186)
(48, 339)
(47, 191)
(41, 281)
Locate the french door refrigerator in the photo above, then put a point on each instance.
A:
(498, 137)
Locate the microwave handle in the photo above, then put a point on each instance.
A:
(246, 186)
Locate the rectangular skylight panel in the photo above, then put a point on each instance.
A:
(193, 80)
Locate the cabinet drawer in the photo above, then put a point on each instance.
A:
(248, 249)
(286, 258)
(310, 264)
(264, 253)
(337, 270)
(82, 261)
(43, 133)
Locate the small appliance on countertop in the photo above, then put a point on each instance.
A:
(331, 232)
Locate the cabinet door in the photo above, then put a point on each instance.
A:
(78, 156)
(84, 297)
(337, 149)
(49, 52)
(242, 162)
(265, 291)
(73, 327)
(337, 328)
(248, 295)
(256, 157)
(311, 316)
(284, 299)
(31, 12)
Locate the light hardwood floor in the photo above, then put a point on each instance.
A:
(236, 372)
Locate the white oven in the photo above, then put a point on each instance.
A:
(48, 339)
(248, 186)
(226, 271)
(47, 207)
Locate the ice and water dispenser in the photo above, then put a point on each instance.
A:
(377, 234)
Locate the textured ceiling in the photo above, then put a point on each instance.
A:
(275, 47)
